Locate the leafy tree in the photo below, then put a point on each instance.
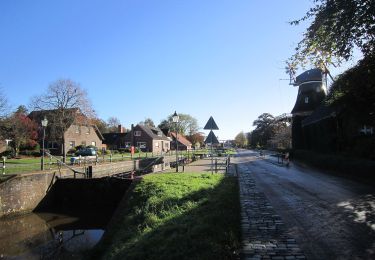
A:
(112, 124)
(196, 139)
(66, 103)
(264, 128)
(187, 124)
(337, 28)
(148, 122)
(240, 140)
(21, 130)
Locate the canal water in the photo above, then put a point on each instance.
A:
(50, 235)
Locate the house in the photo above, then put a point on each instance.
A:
(115, 141)
(183, 143)
(77, 130)
(147, 139)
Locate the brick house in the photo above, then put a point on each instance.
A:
(114, 141)
(183, 143)
(79, 131)
(147, 139)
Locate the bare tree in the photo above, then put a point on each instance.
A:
(113, 123)
(3, 104)
(65, 102)
(148, 122)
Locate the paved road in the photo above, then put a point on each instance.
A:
(330, 217)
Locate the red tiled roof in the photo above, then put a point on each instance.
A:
(180, 138)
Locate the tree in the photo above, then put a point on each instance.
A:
(187, 124)
(3, 104)
(113, 123)
(100, 124)
(148, 122)
(66, 103)
(197, 139)
(240, 140)
(337, 28)
(21, 130)
(264, 129)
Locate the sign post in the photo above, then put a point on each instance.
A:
(211, 125)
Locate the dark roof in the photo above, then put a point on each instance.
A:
(153, 132)
(324, 111)
(180, 138)
(112, 138)
(309, 75)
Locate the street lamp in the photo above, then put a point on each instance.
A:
(44, 125)
(175, 119)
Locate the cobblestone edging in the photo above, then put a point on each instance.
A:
(263, 231)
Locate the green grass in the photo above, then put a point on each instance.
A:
(176, 216)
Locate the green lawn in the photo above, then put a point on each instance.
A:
(176, 216)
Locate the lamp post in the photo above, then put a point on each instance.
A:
(44, 125)
(175, 119)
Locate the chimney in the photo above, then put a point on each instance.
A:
(120, 129)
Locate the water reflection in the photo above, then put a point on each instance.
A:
(49, 236)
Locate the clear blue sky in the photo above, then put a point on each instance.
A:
(139, 59)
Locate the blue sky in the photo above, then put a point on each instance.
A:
(140, 59)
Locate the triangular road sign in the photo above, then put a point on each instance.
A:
(211, 138)
(211, 125)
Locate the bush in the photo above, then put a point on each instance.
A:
(30, 153)
(8, 154)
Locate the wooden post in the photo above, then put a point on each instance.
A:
(50, 162)
(216, 165)
(4, 164)
(110, 158)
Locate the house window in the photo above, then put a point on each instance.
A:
(167, 145)
(52, 145)
(160, 133)
(78, 129)
(137, 133)
(87, 130)
(93, 143)
(128, 144)
(72, 144)
(141, 145)
(306, 100)
(157, 144)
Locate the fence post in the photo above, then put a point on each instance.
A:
(216, 165)
(110, 158)
(96, 159)
(4, 164)
(50, 162)
(79, 160)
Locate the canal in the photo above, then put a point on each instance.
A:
(67, 223)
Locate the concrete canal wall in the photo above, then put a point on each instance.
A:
(23, 192)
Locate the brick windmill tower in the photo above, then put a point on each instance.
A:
(311, 93)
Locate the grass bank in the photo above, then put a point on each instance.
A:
(176, 216)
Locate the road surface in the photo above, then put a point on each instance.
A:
(330, 217)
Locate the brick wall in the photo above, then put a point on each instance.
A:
(24, 192)
(82, 134)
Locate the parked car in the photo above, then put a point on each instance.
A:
(88, 151)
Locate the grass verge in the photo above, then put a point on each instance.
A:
(176, 216)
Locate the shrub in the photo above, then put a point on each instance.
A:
(8, 153)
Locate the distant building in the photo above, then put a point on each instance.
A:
(183, 143)
(147, 139)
